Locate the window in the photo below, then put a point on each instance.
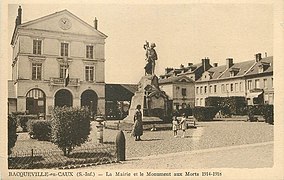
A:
(201, 90)
(249, 84)
(232, 87)
(241, 87)
(64, 49)
(37, 46)
(36, 71)
(205, 89)
(90, 51)
(201, 102)
(257, 83)
(210, 89)
(236, 87)
(63, 69)
(89, 73)
(260, 69)
(266, 100)
(197, 90)
(227, 87)
(223, 88)
(271, 82)
(183, 91)
(197, 101)
(264, 83)
(215, 88)
(270, 98)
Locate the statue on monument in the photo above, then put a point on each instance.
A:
(151, 57)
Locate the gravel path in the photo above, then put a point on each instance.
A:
(206, 135)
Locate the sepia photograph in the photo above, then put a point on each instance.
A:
(187, 89)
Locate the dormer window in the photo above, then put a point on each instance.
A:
(234, 72)
(263, 67)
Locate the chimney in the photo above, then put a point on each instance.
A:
(181, 66)
(19, 15)
(257, 57)
(96, 23)
(215, 64)
(190, 64)
(229, 62)
(265, 54)
(205, 63)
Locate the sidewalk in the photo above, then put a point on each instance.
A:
(258, 155)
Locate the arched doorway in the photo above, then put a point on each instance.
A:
(63, 97)
(35, 101)
(90, 98)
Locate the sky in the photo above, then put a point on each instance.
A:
(183, 33)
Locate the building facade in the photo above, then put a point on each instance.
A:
(250, 79)
(57, 60)
(259, 82)
(179, 83)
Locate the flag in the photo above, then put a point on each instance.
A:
(66, 80)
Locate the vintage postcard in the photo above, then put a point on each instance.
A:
(149, 90)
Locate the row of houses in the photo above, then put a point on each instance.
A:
(190, 85)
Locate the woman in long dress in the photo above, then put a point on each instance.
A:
(137, 130)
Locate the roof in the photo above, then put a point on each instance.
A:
(179, 71)
(174, 79)
(243, 68)
(65, 11)
(130, 87)
(217, 71)
(267, 61)
(120, 92)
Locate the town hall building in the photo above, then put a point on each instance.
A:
(57, 60)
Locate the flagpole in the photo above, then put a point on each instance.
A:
(66, 77)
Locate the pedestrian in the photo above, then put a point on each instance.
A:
(137, 130)
(183, 124)
(175, 125)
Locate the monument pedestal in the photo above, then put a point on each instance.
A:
(152, 100)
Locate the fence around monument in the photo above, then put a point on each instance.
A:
(81, 156)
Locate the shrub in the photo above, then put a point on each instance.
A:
(18, 113)
(23, 120)
(234, 105)
(12, 135)
(70, 127)
(205, 113)
(40, 129)
(264, 110)
(268, 113)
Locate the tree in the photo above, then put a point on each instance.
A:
(12, 133)
(70, 127)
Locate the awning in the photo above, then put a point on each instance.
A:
(254, 94)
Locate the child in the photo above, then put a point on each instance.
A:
(175, 125)
(183, 124)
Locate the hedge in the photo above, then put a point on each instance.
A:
(234, 105)
(268, 114)
(23, 120)
(40, 129)
(206, 113)
(70, 127)
(264, 110)
(12, 135)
